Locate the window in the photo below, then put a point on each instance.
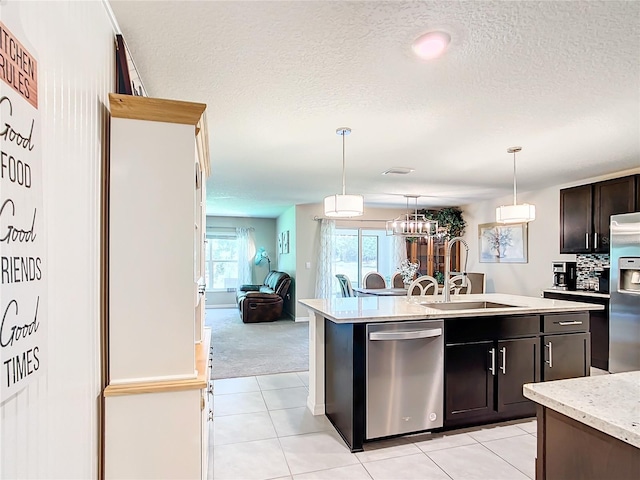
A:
(221, 262)
(360, 251)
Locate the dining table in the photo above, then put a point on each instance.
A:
(381, 292)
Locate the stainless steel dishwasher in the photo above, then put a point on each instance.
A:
(404, 377)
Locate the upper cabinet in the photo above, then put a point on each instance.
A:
(585, 213)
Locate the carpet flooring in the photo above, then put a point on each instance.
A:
(247, 349)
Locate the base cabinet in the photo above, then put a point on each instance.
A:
(488, 360)
(484, 380)
(566, 356)
(518, 362)
(469, 383)
(598, 326)
(156, 435)
(568, 449)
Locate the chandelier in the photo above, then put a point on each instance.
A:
(412, 224)
(515, 213)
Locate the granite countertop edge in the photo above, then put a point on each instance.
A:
(387, 309)
(562, 397)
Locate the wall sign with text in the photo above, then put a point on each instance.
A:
(23, 301)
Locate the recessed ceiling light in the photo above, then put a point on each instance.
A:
(431, 45)
(398, 171)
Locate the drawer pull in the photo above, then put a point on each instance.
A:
(573, 322)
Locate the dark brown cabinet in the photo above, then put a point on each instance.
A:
(571, 449)
(576, 219)
(518, 363)
(566, 356)
(469, 385)
(585, 213)
(598, 326)
(484, 373)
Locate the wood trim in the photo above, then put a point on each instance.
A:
(199, 382)
(155, 109)
(202, 145)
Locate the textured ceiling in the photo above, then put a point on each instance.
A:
(561, 79)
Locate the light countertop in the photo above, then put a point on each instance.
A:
(581, 293)
(380, 309)
(608, 403)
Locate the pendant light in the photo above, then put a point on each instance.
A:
(343, 205)
(515, 213)
(412, 224)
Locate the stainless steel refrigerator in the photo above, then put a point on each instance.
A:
(624, 307)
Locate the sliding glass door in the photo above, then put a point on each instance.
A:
(359, 251)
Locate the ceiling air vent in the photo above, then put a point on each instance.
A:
(398, 171)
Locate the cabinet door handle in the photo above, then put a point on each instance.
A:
(573, 322)
(586, 240)
(550, 361)
(503, 367)
(492, 368)
(595, 240)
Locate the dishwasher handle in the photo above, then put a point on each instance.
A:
(408, 335)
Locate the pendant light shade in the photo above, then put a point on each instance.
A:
(515, 213)
(343, 205)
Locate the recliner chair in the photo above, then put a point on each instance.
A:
(264, 303)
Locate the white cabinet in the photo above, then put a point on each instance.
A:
(158, 371)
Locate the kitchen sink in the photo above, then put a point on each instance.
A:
(465, 305)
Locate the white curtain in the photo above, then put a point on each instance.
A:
(324, 273)
(399, 250)
(246, 252)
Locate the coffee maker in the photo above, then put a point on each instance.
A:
(564, 275)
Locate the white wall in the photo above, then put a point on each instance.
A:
(287, 262)
(50, 429)
(544, 240)
(264, 236)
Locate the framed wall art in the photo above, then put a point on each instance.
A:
(501, 243)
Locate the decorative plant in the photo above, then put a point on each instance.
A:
(408, 270)
(450, 221)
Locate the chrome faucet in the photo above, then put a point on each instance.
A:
(447, 268)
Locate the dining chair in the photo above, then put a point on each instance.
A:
(345, 285)
(424, 285)
(374, 280)
(397, 281)
(460, 284)
(477, 282)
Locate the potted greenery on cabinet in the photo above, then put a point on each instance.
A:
(430, 252)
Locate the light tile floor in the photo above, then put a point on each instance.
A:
(263, 430)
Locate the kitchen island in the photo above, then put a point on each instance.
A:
(493, 344)
(588, 428)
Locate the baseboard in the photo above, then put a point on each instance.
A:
(225, 305)
(315, 409)
(302, 319)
